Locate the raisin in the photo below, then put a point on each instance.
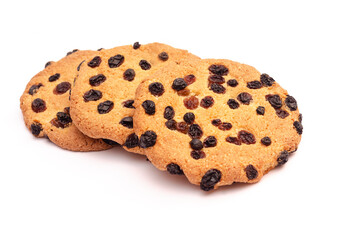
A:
(163, 56)
(174, 169)
(210, 179)
(191, 102)
(169, 113)
(136, 45)
(291, 103)
(251, 172)
(62, 88)
(38, 105)
(34, 89)
(145, 65)
(54, 77)
(100, 49)
(299, 127)
(66, 110)
(80, 64)
(105, 107)
(115, 61)
(179, 84)
(266, 141)
(216, 122)
(63, 119)
(260, 110)
(48, 64)
(156, 89)
(110, 142)
(36, 128)
(92, 95)
(300, 118)
(246, 137)
(216, 79)
(131, 141)
(148, 139)
(128, 104)
(245, 98)
(189, 117)
(207, 102)
(127, 122)
(183, 93)
(149, 106)
(190, 79)
(219, 69)
(182, 127)
(281, 113)
(283, 158)
(95, 62)
(233, 140)
(225, 126)
(97, 80)
(196, 144)
(197, 154)
(171, 124)
(129, 74)
(195, 131)
(233, 104)
(274, 100)
(254, 85)
(71, 52)
(210, 141)
(232, 83)
(266, 80)
(217, 88)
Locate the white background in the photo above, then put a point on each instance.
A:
(312, 48)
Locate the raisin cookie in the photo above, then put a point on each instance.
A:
(103, 95)
(45, 105)
(216, 121)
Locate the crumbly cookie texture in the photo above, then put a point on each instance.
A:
(216, 121)
(45, 105)
(103, 95)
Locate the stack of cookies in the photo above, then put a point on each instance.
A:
(215, 121)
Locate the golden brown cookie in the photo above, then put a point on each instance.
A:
(103, 95)
(45, 105)
(216, 121)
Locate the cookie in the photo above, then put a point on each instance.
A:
(216, 121)
(103, 95)
(45, 105)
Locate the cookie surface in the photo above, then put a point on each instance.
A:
(103, 95)
(45, 105)
(216, 121)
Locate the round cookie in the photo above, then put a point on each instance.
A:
(103, 95)
(216, 121)
(45, 105)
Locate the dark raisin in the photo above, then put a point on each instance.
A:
(171, 124)
(266, 80)
(131, 141)
(48, 64)
(179, 84)
(54, 77)
(216, 79)
(105, 107)
(149, 106)
(299, 127)
(100, 49)
(225, 126)
(128, 104)
(274, 100)
(110, 142)
(283, 158)
(233, 104)
(233, 140)
(169, 113)
(163, 56)
(95, 62)
(195, 131)
(129, 74)
(34, 89)
(219, 69)
(207, 102)
(145, 65)
(97, 80)
(246, 137)
(190, 79)
(38, 105)
(281, 113)
(174, 169)
(36, 128)
(127, 122)
(182, 127)
(210, 179)
(216, 122)
(266, 141)
(291, 103)
(197, 154)
(300, 118)
(245, 98)
(92, 95)
(62, 88)
(251, 172)
(71, 52)
(232, 83)
(148, 139)
(196, 144)
(210, 141)
(217, 88)
(63, 119)
(136, 45)
(156, 89)
(191, 102)
(115, 61)
(78, 68)
(189, 117)
(260, 110)
(254, 85)
(183, 93)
